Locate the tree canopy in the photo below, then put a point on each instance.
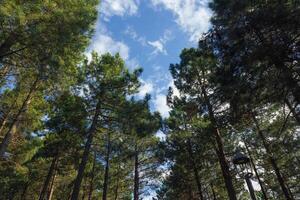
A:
(74, 127)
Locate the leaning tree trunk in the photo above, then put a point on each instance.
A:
(292, 109)
(256, 173)
(88, 144)
(136, 174)
(6, 46)
(106, 173)
(48, 178)
(24, 191)
(219, 148)
(280, 179)
(51, 189)
(195, 169)
(6, 140)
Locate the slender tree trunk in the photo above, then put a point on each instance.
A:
(24, 192)
(48, 178)
(256, 173)
(195, 169)
(3, 123)
(280, 179)
(92, 178)
(51, 189)
(88, 144)
(106, 173)
(136, 174)
(6, 140)
(6, 45)
(220, 150)
(292, 109)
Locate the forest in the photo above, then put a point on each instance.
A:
(72, 128)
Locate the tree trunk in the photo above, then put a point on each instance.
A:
(92, 178)
(6, 140)
(195, 169)
(48, 178)
(220, 150)
(23, 195)
(280, 179)
(292, 109)
(106, 173)
(6, 45)
(256, 173)
(90, 136)
(3, 123)
(51, 189)
(136, 175)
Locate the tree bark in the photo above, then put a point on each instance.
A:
(90, 136)
(106, 173)
(280, 179)
(256, 173)
(6, 45)
(195, 169)
(48, 178)
(292, 109)
(92, 178)
(220, 150)
(24, 192)
(51, 189)
(6, 140)
(136, 174)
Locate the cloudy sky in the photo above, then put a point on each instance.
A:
(150, 34)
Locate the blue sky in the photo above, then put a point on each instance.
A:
(150, 34)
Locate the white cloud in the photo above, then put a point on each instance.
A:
(146, 88)
(133, 34)
(103, 43)
(193, 16)
(109, 8)
(158, 47)
(160, 104)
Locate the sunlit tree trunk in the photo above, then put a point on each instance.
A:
(106, 173)
(136, 174)
(292, 109)
(195, 169)
(275, 167)
(219, 148)
(6, 140)
(48, 178)
(51, 189)
(256, 173)
(87, 147)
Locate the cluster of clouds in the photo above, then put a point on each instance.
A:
(192, 16)
(121, 8)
